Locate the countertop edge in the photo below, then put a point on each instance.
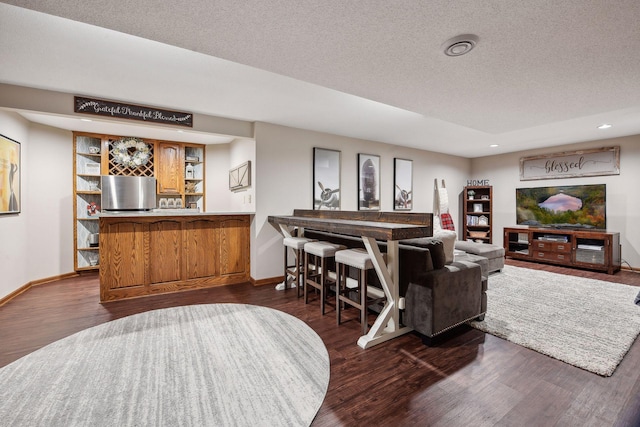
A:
(167, 213)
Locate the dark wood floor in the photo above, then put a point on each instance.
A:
(471, 379)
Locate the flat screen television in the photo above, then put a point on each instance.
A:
(570, 206)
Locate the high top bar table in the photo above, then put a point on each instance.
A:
(387, 325)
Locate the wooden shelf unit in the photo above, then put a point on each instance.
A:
(589, 249)
(477, 207)
(87, 166)
(167, 164)
(194, 188)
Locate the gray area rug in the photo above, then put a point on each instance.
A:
(199, 365)
(587, 323)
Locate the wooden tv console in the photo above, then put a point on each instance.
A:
(581, 248)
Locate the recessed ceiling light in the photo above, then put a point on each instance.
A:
(494, 145)
(180, 131)
(605, 126)
(86, 120)
(460, 45)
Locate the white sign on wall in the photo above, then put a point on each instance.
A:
(600, 161)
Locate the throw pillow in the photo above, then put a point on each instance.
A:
(446, 222)
(436, 249)
(448, 238)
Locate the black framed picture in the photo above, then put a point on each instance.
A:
(10, 170)
(402, 184)
(368, 182)
(326, 179)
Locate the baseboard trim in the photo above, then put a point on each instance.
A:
(24, 288)
(631, 269)
(268, 281)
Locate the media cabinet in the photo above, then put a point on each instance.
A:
(589, 249)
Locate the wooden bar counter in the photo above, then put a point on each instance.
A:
(151, 253)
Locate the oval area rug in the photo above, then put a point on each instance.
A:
(198, 365)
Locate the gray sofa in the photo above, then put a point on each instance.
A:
(493, 253)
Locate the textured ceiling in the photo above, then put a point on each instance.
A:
(544, 72)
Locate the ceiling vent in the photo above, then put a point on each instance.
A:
(460, 45)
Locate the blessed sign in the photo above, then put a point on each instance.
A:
(601, 161)
(129, 111)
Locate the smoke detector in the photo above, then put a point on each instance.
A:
(460, 45)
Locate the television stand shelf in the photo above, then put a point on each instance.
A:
(581, 248)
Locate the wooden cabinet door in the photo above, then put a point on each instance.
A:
(234, 246)
(202, 247)
(169, 171)
(122, 255)
(165, 251)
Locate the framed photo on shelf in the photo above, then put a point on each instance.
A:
(10, 170)
(326, 179)
(368, 182)
(402, 184)
(477, 207)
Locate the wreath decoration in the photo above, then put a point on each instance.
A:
(131, 152)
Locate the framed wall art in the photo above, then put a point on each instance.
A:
(326, 179)
(10, 170)
(571, 164)
(402, 184)
(240, 177)
(368, 182)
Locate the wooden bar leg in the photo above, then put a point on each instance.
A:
(339, 271)
(286, 276)
(362, 283)
(322, 292)
(297, 255)
(306, 277)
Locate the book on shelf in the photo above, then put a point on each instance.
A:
(554, 238)
(474, 220)
(591, 247)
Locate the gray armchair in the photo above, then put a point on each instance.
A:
(444, 298)
(445, 295)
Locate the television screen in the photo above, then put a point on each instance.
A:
(571, 206)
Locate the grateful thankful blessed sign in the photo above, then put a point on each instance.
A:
(601, 161)
(119, 110)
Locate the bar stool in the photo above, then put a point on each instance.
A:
(319, 253)
(297, 269)
(366, 295)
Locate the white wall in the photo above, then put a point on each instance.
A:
(284, 174)
(243, 150)
(38, 243)
(623, 206)
(14, 245)
(217, 178)
(220, 159)
(49, 204)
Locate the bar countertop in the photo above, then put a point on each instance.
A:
(167, 212)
